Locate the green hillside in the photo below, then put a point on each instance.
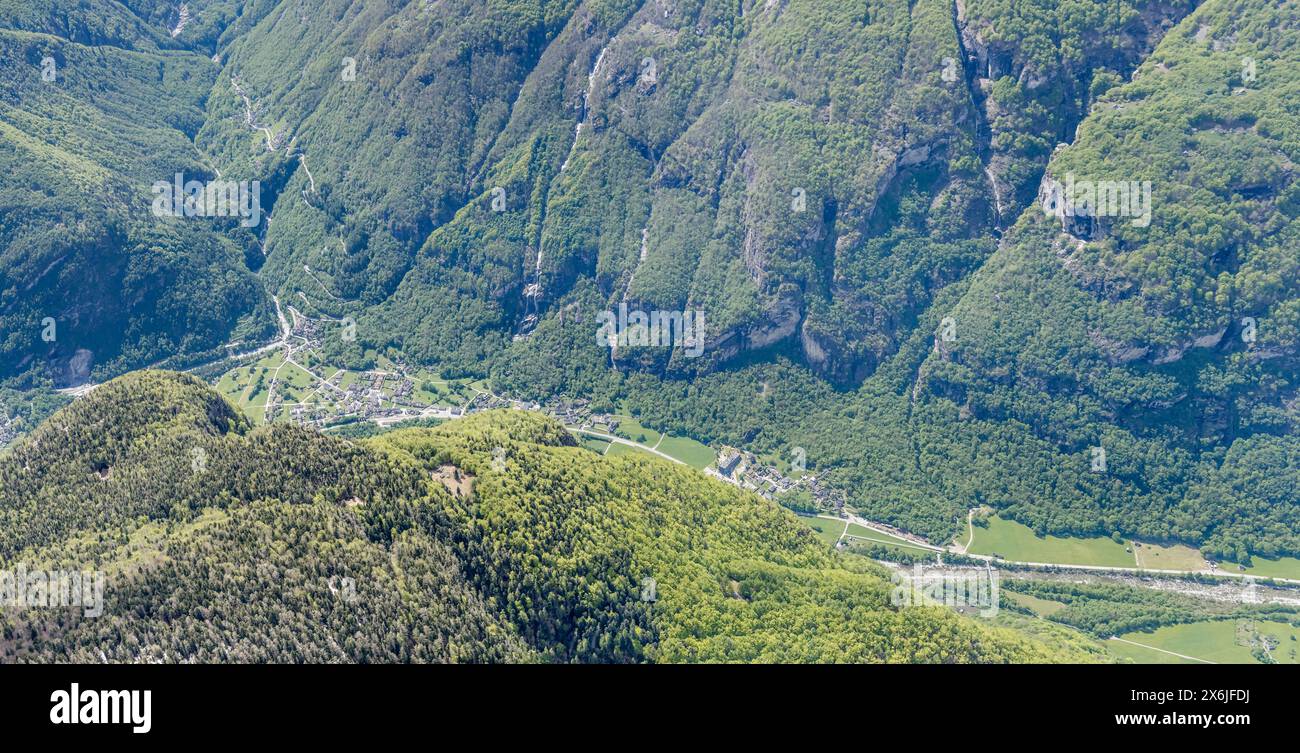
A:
(493, 538)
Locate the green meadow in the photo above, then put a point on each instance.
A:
(1013, 541)
(827, 530)
(1142, 654)
(695, 454)
(867, 534)
(617, 448)
(630, 428)
(595, 444)
(1219, 641)
(1172, 557)
(1040, 607)
(1283, 567)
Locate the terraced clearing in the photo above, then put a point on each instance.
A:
(1014, 541)
(1219, 641)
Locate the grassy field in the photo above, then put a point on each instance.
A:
(1220, 641)
(1142, 654)
(238, 384)
(440, 392)
(858, 532)
(830, 530)
(696, 455)
(630, 428)
(1284, 567)
(827, 530)
(1040, 607)
(1013, 541)
(1176, 557)
(774, 460)
(292, 375)
(232, 384)
(617, 448)
(595, 444)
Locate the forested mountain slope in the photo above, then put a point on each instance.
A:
(488, 539)
(95, 106)
(850, 193)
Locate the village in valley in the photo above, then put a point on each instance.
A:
(797, 489)
(290, 380)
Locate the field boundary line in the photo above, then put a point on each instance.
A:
(1161, 650)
